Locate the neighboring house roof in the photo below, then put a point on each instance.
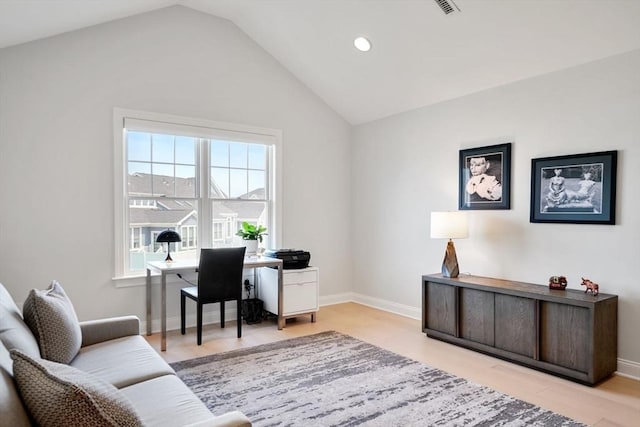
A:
(168, 212)
(142, 216)
(145, 184)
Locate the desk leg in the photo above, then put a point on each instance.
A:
(281, 320)
(163, 314)
(148, 302)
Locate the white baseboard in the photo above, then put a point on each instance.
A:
(390, 306)
(337, 298)
(629, 369)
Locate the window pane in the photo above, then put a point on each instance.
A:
(185, 171)
(238, 155)
(139, 178)
(256, 185)
(219, 153)
(138, 146)
(186, 150)
(149, 222)
(219, 183)
(137, 167)
(237, 183)
(257, 156)
(185, 181)
(162, 146)
(228, 216)
(163, 180)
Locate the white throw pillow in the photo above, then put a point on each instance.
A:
(53, 321)
(61, 395)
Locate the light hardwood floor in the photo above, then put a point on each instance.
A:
(614, 402)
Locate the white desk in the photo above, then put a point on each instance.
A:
(189, 266)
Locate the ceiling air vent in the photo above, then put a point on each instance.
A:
(447, 6)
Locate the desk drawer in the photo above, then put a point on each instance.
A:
(300, 297)
(292, 277)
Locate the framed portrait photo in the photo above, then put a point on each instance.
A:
(577, 189)
(485, 178)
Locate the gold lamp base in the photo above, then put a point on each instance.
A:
(450, 262)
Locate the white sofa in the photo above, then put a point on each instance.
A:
(113, 351)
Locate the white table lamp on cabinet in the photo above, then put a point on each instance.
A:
(449, 225)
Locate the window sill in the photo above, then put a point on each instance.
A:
(141, 280)
(130, 281)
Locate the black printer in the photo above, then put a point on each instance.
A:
(291, 258)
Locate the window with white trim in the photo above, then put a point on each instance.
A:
(199, 178)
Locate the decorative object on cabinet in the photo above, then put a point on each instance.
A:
(578, 189)
(557, 282)
(590, 287)
(300, 291)
(568, 333)
(168, 237)
(449, 225)
(485, 178)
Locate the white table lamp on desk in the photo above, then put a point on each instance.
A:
(449, 225)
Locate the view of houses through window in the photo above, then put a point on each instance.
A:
(203, 188)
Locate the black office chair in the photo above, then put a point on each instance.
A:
(219, 280)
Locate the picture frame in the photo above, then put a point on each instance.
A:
(575, 189)
(485, 178)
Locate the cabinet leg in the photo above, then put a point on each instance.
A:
(313, 317)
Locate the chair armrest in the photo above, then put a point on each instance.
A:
(95, 331)
(230, 419)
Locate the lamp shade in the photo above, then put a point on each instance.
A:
(168, 236)
(449, 225)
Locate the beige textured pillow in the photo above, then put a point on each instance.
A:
(61, 395)
(53, 321)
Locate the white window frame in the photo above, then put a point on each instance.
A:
(187, 126)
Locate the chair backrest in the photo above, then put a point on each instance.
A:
(220, 274)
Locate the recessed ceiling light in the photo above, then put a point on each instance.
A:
(362, 44)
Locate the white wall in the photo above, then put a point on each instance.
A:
(56, 158)
(406, 166)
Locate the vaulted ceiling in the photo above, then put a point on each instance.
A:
(420, 55)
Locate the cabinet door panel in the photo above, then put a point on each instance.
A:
(565, 335)
(441, 308)
(477, 316)
(516, 324)
(299, 298)
(292, 276)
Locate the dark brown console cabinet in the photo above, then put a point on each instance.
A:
(563, 332)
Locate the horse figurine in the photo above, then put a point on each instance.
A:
(590, 286)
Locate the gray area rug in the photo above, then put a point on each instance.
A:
(331, 379)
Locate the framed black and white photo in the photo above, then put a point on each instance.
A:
(578, 189)
(485, 177)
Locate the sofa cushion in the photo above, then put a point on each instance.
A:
(14, 332)
(166, 401)
(58, 395)
(54, 323)
(123, 361)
